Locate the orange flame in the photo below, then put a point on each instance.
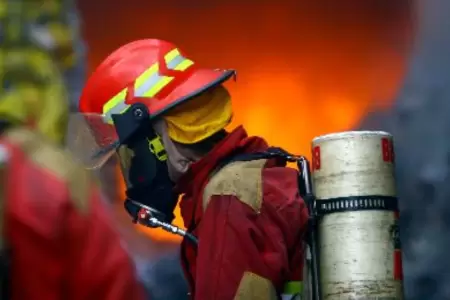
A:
(305, 68)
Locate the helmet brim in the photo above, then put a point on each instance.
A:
(198, 82)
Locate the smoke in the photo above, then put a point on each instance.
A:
(420, 122)
(164, 278)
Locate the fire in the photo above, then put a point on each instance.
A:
(304, 68)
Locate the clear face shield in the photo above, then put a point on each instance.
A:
(131, 139)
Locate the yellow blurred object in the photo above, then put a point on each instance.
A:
(34, 92)
(3, 9)
(63, 39)
(200, 117)
(37, 46)
(51, 7)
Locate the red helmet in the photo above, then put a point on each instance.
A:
(153, 72)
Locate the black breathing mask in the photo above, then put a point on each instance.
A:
(143, 159)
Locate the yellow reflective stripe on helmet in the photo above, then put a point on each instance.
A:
(117, 99)
(148, 84)
(120, 108)
(186, 63)
(155, 83)
(146, 75)
(153, 86)
(293, 287)
(171, 55)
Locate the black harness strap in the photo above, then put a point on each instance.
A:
(272, 152)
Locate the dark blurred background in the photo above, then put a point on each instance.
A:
(305, 68)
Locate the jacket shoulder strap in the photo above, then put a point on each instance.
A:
(240, 176)
(241, 179)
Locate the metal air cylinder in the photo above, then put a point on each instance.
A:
(359, 247)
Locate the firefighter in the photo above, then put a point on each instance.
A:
(247, 216)
(58, 239)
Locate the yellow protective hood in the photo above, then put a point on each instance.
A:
(200, 117)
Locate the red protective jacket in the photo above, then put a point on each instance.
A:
(59, 235)
(250, 222)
